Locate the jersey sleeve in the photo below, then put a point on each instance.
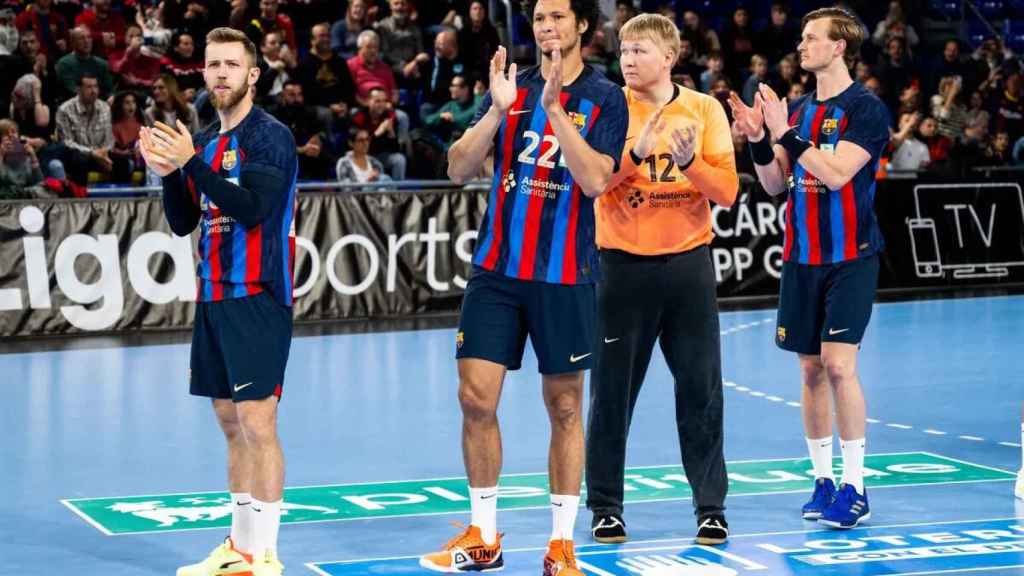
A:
(608, 134)
(717, 145)
(868, 126)
(270, 150)
(485, 105)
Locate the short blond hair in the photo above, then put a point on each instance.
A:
(654, 27)
(225, 35)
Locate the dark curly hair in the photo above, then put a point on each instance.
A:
(585, 10)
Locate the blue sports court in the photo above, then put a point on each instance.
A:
(371, 430)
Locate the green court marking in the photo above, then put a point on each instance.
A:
(202, 510)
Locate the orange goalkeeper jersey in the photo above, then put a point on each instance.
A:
(657, 209)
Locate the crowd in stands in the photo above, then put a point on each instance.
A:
(376, 90)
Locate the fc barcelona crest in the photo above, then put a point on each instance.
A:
(578, 120)
(829, 126)
(229, 159)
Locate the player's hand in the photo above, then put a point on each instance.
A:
(683, 144)
(154, 160)
(648, 137)
(175, 146)
(551, 98)
(775, 111)
(503, 88)
(749, 120)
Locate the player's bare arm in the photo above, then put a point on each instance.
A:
(591, 169)
(835, 170)
(468, 154)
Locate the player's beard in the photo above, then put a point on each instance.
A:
(229, 100)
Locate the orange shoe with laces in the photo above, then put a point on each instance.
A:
(467, 552)
(561, 559)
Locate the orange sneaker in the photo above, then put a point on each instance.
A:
(560, 559)
(467, 552)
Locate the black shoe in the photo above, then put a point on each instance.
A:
(608, 529)
(712, 529)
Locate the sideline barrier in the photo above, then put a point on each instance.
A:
(70, 266)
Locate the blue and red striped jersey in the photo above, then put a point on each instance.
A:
(539, 225)
(826, 226)
(235, 260)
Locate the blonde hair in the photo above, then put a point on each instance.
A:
(225, 35)
(654, 27)
(842, 26)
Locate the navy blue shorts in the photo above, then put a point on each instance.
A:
(499, 312)
(240, 348)
(830, 303)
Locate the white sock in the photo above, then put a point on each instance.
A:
(564, 508)
(483, 504)
(853, 463)
(241, 520)
(820, 450)
(266, 519)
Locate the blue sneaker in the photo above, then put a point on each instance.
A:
(824, 492)
(847, 509)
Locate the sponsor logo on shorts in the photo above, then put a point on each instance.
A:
(833, 331)
(780, 333)
(460, 339)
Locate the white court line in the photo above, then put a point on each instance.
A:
(872, 421)
(971, 438)
(900, 426)
(793, 404)
(1010, 444)
(773, 398)
(314, 568)
(86, 517)
(957, 460)
(935, 432)
(756, 393)
(686, 542)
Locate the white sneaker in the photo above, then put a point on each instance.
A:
(1018, 488)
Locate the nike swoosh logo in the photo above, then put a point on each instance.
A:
(488, 497)
(518, 112)
(574, 358)
(227, 565)
(610, 340)
(559, 504)
(833, 332)
(242, 386)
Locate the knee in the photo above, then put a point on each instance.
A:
(812, 372)
(839, 370)
(476, 403)
(564, 410)
(258, 430)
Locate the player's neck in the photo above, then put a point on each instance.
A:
(657, 94)
(572, 67)
(233, 116)
(832, 81)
